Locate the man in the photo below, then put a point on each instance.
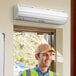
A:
(43, 54)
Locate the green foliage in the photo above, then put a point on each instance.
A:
(24, 47)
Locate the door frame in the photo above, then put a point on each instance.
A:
(73, 37)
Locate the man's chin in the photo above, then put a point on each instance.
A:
(47, 65)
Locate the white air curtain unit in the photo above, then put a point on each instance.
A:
(24, 13)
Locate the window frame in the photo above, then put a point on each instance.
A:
(39, 30)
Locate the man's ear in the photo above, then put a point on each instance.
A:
(36, 56)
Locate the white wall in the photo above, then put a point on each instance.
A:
(6, 26)
(2, 53)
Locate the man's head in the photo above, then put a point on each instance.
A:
(43, 54)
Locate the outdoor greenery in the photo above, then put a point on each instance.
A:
(24, 47)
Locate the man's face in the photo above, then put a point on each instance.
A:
(45, 59)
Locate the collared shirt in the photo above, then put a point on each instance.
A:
(40, 72)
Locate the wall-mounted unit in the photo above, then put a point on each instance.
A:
(22, 12)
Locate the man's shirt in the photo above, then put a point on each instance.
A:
(40, 72)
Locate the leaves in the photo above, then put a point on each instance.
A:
(24, 47)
